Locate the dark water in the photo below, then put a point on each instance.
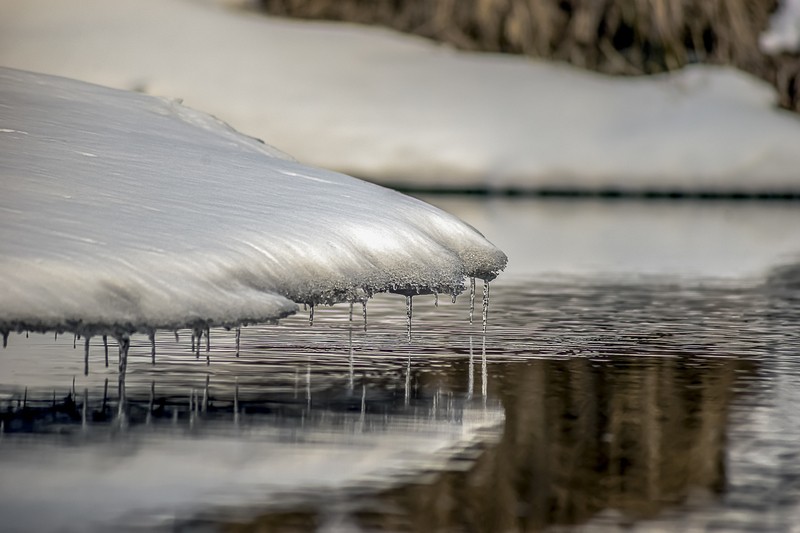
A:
(597, 402)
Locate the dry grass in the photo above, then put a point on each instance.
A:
(627, 37)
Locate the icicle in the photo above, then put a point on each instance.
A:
(85, 410)
(177, 337)
(471, 298)
(436, 299)
(351, 311)
(208, 339)
(236, 400)
(484, 370)
(152, 336)
(55, 338)
(205, 394)
(409, 311)
(238, 337)
(124, 344)
(26, 333)
(453, 295)
(485, 304)
(105, 395)
(198, 333)
(308, 383)
(72, 393)
(408, 380)
(192, 341)
(364, 307)
(311, 315)
(25, 398)
(470, 376)
(86, 357)
(5, 338)
(74, 340)
(151, 403)
(350, 342)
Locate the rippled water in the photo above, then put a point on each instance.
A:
(608, 402)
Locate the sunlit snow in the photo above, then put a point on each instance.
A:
(122, 212)
(402, 110)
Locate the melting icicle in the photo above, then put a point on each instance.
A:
(55, 338)
(436, 299)
(105, 348)
(471, 298)
(198, 333)
(409, 311)
(485, 304)
(5, 338)
(177, 337)
(74, 340)
(311, 315)
(192, 341)
(453, 296)
(364, 306)
(351, 311)
(86, 356)
(152, 337)
(238, 337)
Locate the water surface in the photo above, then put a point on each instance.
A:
(606, 398)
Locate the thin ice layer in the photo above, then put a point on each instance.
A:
(125, 212)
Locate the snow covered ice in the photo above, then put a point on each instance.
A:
(402, 110)
(126, 213)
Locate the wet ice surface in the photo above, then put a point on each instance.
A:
(607, 404)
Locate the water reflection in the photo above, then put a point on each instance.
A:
(635, 404)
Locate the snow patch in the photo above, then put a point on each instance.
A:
(177, 220)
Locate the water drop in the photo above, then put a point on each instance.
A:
(485, 304)
(453, 295)
(238, 337)
(471, 298)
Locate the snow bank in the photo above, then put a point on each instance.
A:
(783, 34)
(399, 109)
(122, 212)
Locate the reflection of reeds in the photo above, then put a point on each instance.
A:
(581, 438)
(616, 36)
(632, 435)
